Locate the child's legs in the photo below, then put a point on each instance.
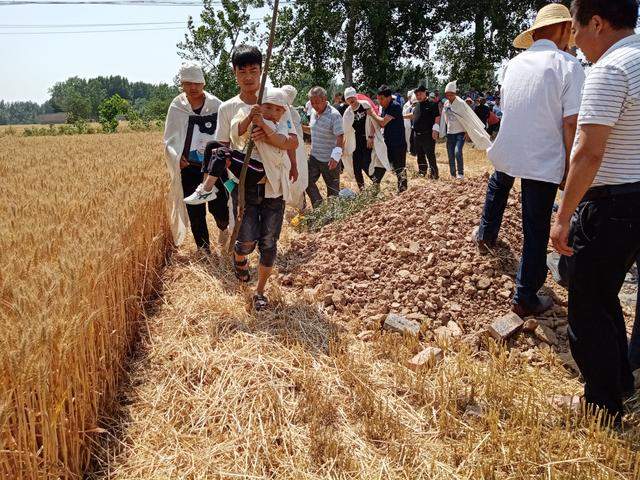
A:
(271, 218)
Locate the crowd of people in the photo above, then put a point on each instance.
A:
(558, 130)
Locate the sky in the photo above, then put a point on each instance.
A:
(31, 64)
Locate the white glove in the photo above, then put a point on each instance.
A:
(336, 154)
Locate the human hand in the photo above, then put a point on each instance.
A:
(435, 135)
(370, 143)
(293, 173)
(560, 237)
(332, 164)
(255, 111)
(184, 163)
(258, 134)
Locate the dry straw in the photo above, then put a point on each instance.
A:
(83, 236)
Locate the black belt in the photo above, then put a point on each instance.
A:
(421, 133)
(606, 191)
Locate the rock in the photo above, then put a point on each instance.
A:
(400, 324)
(414, 278)
(431, 260)
(455, 307)
(454, 328)
(506, 294)
(366, 335)
(473, 411)
(337, 298)
(404, 273)
(418, 317)
(484, 283)
(414, 248)
(328, 300)
(546, 335)
(392, 247)
(568, 361)
(506, 326)
(429, 357)
(530, 325)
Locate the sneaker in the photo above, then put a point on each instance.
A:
(484, 246)
(223, 238)
(544, 303)
(460, 176)
(201, 196)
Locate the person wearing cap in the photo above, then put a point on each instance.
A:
(185, 176)
(458, 121)
(364, 147)
(392, 121)
(425, 115)
(327, 139)
(541, 99)
(597, 228)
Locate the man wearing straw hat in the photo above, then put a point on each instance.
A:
(540, 102)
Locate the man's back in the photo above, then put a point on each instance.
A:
(541, 87)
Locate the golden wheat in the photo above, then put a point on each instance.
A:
(83, 233)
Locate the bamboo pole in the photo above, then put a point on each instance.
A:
(250, 145)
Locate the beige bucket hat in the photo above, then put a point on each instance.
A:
(548, 15)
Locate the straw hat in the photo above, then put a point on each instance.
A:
(548, 15)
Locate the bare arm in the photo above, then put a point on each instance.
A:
(340, 140)
(583, 169)
(306, 129)
(381, 121)
(569, 126)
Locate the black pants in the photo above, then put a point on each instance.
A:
(426, 150)
(191, 178)
(398, 160)
(361, 164)
(537, 206)
(605, 235)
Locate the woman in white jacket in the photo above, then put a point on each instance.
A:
(364, 148)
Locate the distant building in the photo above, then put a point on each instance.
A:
(55, 118)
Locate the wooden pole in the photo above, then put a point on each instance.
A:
(250, 145)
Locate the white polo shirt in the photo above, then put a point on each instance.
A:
(541, 87)
(612, 97)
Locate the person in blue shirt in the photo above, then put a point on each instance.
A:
(392, 121)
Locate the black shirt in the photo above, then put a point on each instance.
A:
(424, 116)
(483, 111)
(359, 125)
(394, 130)
(197, 111)
(341, 107)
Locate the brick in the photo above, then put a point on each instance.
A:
(505, 326)
(429, 357)
(400, 324)
(530, 325)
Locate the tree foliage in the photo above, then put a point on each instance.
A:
(109, 110)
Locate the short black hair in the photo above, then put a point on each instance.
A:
(385, 91)
(421, 88)
(245, 55)
(621, 14)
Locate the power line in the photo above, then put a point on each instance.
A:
(158, 3)
(94, 31)
(86, 25)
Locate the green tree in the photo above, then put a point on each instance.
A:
(109, 110)
(211, 43)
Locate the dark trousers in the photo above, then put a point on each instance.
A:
(426, 150)
(398, 160)
(634, 343)
(331, 179)
(191, 178)
(455, 145)
(537, 206)
(361, 164)
(605, 236)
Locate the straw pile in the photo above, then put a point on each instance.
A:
(294, 393)
(83, 235)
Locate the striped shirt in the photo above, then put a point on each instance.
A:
(612, 97)
(325, 129)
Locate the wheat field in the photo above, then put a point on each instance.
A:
(214, 391)
(83, 238)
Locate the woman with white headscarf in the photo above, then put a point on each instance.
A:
(200, 108)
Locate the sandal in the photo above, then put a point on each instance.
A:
(260, 302)
(242, 274)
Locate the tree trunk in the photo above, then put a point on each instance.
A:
(347, 66)
(478, 36)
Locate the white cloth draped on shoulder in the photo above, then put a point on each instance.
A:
(379, 157)
(275, 160)
(175, 133)
(299, 187)
(469, 120)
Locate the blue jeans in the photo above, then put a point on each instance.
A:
(537, 206)
(455, 143)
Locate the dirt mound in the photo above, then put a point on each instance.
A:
(412, 255)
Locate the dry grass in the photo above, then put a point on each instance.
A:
(83, 236)
(220, 392)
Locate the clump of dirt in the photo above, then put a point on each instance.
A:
(413, 255)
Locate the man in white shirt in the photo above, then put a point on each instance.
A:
(598, 223)
(540, 103)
